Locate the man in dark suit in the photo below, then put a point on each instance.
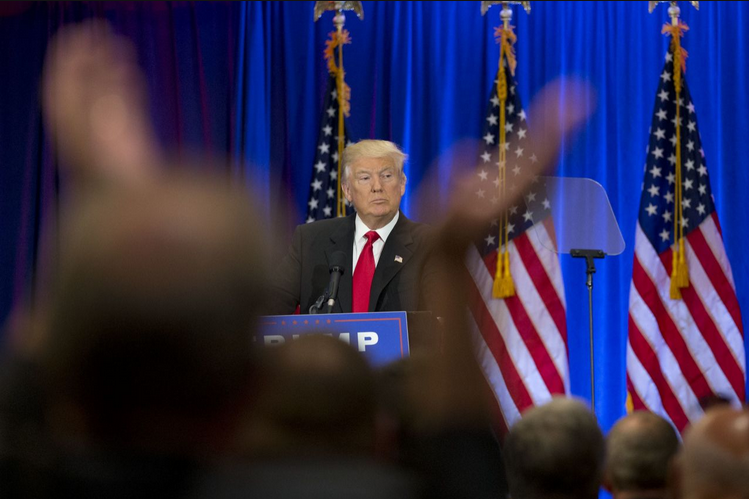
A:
(396, 259)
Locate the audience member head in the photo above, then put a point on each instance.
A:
(316, 397)
(394, 382)
(145, 339)
(373, 180)
(639, 451)
(714, 400)
(714, 462)
(399, 412)
(555, 451)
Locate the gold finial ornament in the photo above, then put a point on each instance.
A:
(506, 14)
(673, 9)
(651, 5)
(485, 6)
(339, 7)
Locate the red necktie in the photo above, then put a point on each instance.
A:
(363, 274)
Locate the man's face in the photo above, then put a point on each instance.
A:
(375, 187)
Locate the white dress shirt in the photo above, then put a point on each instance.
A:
(360, 239)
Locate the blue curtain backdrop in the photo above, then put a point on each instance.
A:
(245, 81)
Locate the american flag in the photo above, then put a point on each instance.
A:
(324, 185)
(681, 351)
(521, 340)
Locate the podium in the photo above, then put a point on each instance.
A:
(382, 337)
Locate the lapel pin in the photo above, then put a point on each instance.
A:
(398, 258)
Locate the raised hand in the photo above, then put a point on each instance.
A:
(95, 106)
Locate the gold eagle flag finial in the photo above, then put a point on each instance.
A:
(321, 7)
(673, 10)
(485, 6)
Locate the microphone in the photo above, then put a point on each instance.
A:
(337, 267)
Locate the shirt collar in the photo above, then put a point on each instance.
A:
(383, 232)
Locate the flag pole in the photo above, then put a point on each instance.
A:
(679, 268)
(338, 39)
(504, 286)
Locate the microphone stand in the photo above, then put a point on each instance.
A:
(317, 306)
(589, 255)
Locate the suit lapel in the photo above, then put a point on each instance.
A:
(343, 240)
(395, 254)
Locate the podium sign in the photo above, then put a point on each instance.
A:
(381, 337)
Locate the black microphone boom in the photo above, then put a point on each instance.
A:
(337, 267)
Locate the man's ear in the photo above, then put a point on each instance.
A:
(346, 191)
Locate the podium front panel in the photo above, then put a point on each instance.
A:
(382, 337)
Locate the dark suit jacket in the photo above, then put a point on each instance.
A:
(398, 283)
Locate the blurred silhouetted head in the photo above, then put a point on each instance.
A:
(146, 336)
(317, 398)
(639, 451)
(555, 451)
(714, 462)
(714, 400)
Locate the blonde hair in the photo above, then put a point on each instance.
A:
(372, 149)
